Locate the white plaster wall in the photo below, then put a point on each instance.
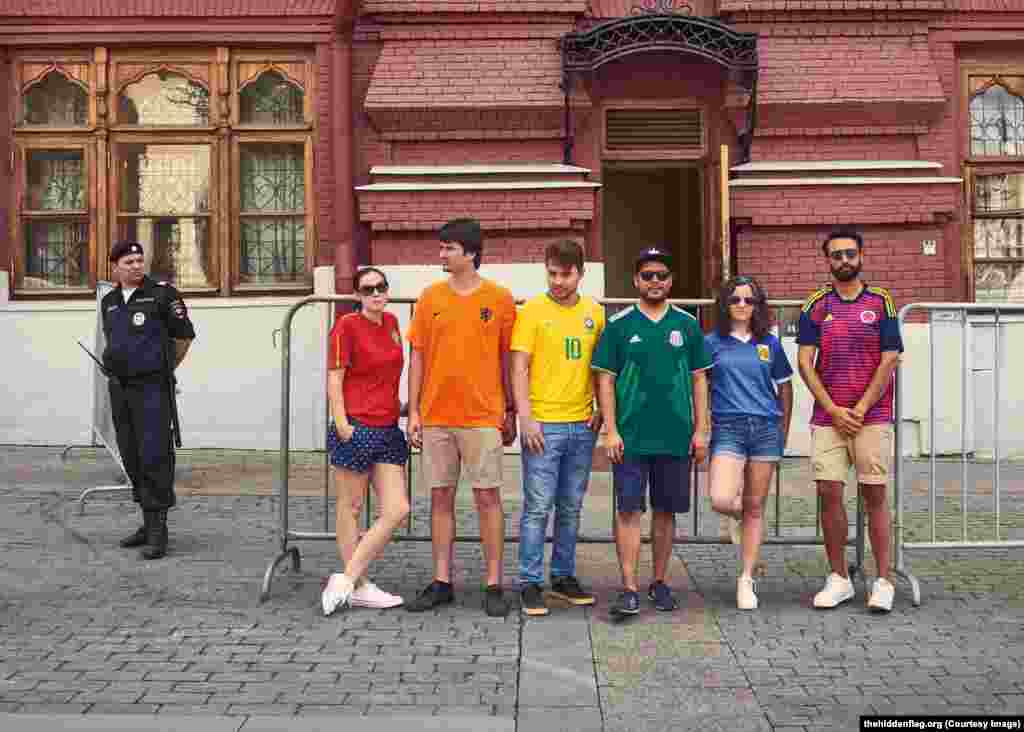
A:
(230, 383)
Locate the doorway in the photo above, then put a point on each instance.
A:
(646, 205)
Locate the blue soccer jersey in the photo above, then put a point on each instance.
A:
(745, 375)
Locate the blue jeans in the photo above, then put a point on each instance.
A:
(556, 479)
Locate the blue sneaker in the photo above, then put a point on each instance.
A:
(627, 604)
(661, 595)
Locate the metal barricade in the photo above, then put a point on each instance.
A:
(288, 535)
(966, 316)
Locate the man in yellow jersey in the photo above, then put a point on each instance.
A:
(460, 406)
(554, 336)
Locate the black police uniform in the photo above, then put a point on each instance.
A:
(139, 355)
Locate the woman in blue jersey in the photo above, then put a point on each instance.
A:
(751, 407)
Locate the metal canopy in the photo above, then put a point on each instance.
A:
(653, 32)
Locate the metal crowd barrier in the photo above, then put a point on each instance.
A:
(966, 315)
(288, 535)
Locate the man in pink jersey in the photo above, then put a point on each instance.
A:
(854, 332)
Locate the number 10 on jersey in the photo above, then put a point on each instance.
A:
(573, 349)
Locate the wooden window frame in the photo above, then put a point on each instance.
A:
(235, 253)
(214, 215)
(108, 73)
(974, 166)
(667, 154)
(22, 215)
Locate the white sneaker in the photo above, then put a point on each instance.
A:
(337, 593)
(881, 595)
(745, 597)
(837, 590)
(369, 595)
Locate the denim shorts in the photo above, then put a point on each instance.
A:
(747, 436)
(367, 447)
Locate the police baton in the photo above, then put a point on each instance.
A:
(103, 369)
(172, 388)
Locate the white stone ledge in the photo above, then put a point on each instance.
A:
(839, 181)
(475, 186)
(776, 166)
(510, 169)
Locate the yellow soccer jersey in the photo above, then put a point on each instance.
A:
(561, 341)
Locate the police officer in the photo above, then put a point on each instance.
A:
(148, 333)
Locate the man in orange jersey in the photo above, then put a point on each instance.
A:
(461, 411)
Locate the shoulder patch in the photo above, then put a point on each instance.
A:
(621, 314)
(890, 306)
(684, 312)
(815, 296)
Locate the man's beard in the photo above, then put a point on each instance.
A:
(647, 298)
(845, 273)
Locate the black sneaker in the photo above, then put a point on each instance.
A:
(532, 601)
(569, 590)
(627, 604)
(434, 595)
(661, 595)
(495, 603)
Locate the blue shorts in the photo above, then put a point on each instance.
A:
(367, 447)
(667, 475)
(748, 437)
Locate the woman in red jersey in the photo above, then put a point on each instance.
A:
(363, 439)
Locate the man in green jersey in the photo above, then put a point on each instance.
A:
(651, 378)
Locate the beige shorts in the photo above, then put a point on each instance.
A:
(476, 450)
(870, 452)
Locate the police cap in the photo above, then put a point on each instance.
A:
(124, 248)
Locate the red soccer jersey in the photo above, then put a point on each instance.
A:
(372, 357)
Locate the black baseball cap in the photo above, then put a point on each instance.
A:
(123, 249)
(652, 255)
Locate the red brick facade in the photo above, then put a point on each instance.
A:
(434, 84)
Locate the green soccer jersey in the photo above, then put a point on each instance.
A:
(653, 363)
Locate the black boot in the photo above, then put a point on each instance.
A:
(156, 535)
(136, 539)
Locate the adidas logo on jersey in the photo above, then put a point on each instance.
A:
(635, 339)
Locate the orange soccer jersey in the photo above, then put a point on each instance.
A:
(463, 339)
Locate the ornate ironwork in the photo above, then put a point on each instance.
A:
(660, 31)
(622, 37)
(273, 100)
(273, 248)
(997, 122)
(56, 180)
(166, 179)
(661, 7)
(56, 101)
(56, 253)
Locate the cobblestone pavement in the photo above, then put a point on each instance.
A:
(92, 633)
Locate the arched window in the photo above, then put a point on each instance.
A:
(56, 101)
(272, 100)
(997, 122)
(164, 98)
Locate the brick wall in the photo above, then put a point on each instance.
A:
(165, 8)
(497, 210)
(326, 183)
(6, 197)
(512, 246)
(852, 147)
(789, 264)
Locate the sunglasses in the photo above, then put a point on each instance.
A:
(379, 289)
(738, 300)
(840, 254)
(649, 275)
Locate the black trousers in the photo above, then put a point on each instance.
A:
(142, 419)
